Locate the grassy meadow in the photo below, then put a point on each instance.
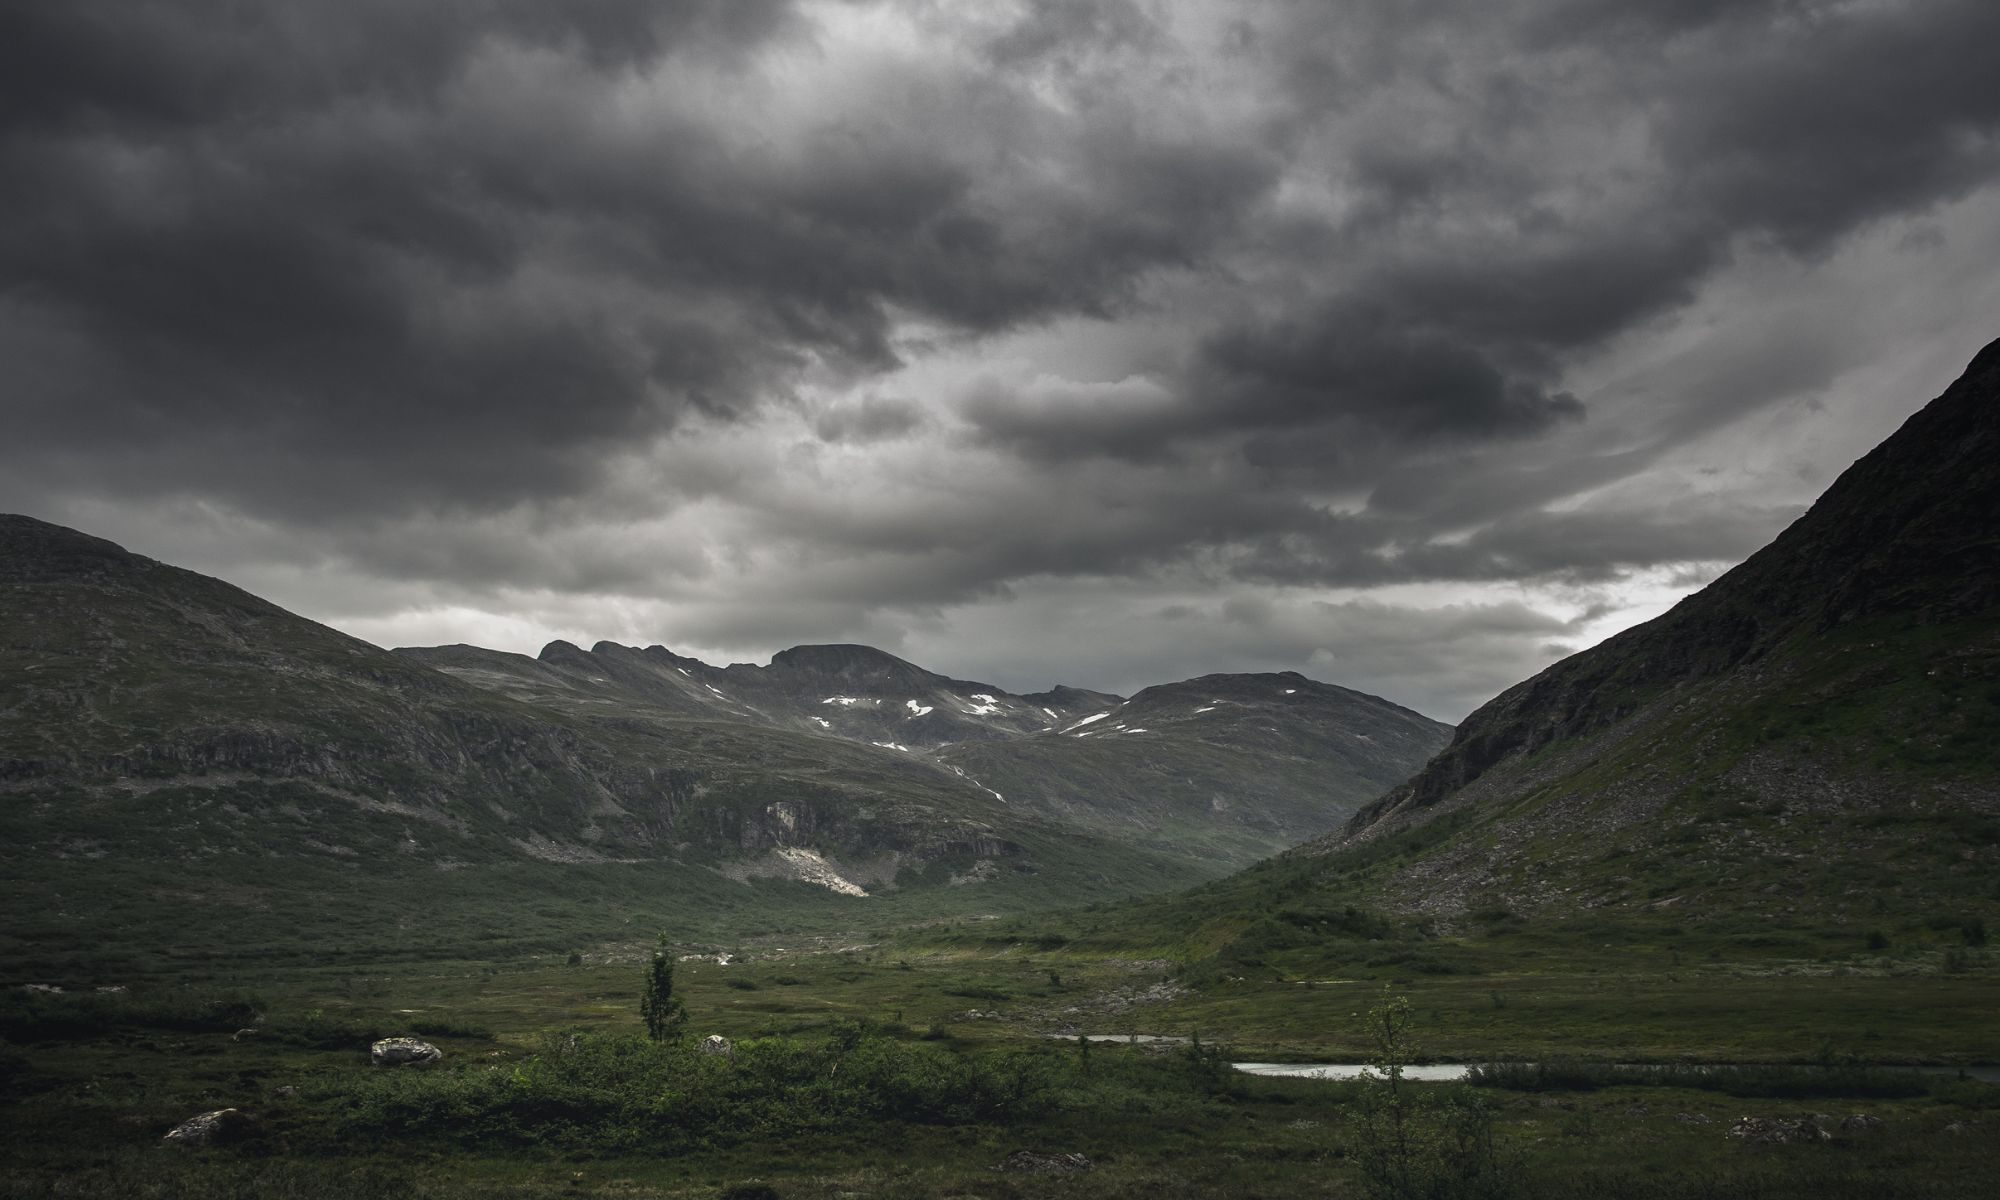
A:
(915, 1063)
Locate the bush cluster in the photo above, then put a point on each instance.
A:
(1769, 1082)
(28, 1015)
(622, 1092)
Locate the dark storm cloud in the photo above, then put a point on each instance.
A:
(1371, 368)
(325, 257)
(1802, 138)
(1526, 183)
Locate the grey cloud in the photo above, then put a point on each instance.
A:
(1599, 544)
(1440, 660)
(1830, 120)
(872, 418)
(1060, 420)
(1593, 546)
(1374, 370)
(1061, 30)
(368, 258)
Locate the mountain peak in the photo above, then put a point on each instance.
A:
(842, 659)
(560, 651)
(1064, 696)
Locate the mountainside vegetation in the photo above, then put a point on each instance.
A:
(192, 771)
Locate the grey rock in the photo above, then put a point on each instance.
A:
(718, 1045)
(403, 1052)
(1779, 1131)
(209, 1128)
(1031, 1162)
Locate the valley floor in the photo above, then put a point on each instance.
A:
(906, 1069)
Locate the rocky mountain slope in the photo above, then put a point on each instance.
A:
(1815, 736)
(1239, 764)
(125, 677)
(1226, 768)
(158, 726)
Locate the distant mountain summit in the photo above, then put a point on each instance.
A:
(1831, 706)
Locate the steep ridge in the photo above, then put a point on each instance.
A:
(1824, 716)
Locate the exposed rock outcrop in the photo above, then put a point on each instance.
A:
(404, 1052)
(209, 1128)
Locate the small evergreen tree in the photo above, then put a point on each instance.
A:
(1413, 1145)
(665, 1015)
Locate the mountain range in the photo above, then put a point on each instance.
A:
(165, 735)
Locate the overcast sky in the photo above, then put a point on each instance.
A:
(1411, 344)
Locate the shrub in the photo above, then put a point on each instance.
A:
(623, 1092)
(1749, 1082)
(449, 1027)
(980, 993)
(1422, 1144)
(664, 1014)
(30, 1015)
